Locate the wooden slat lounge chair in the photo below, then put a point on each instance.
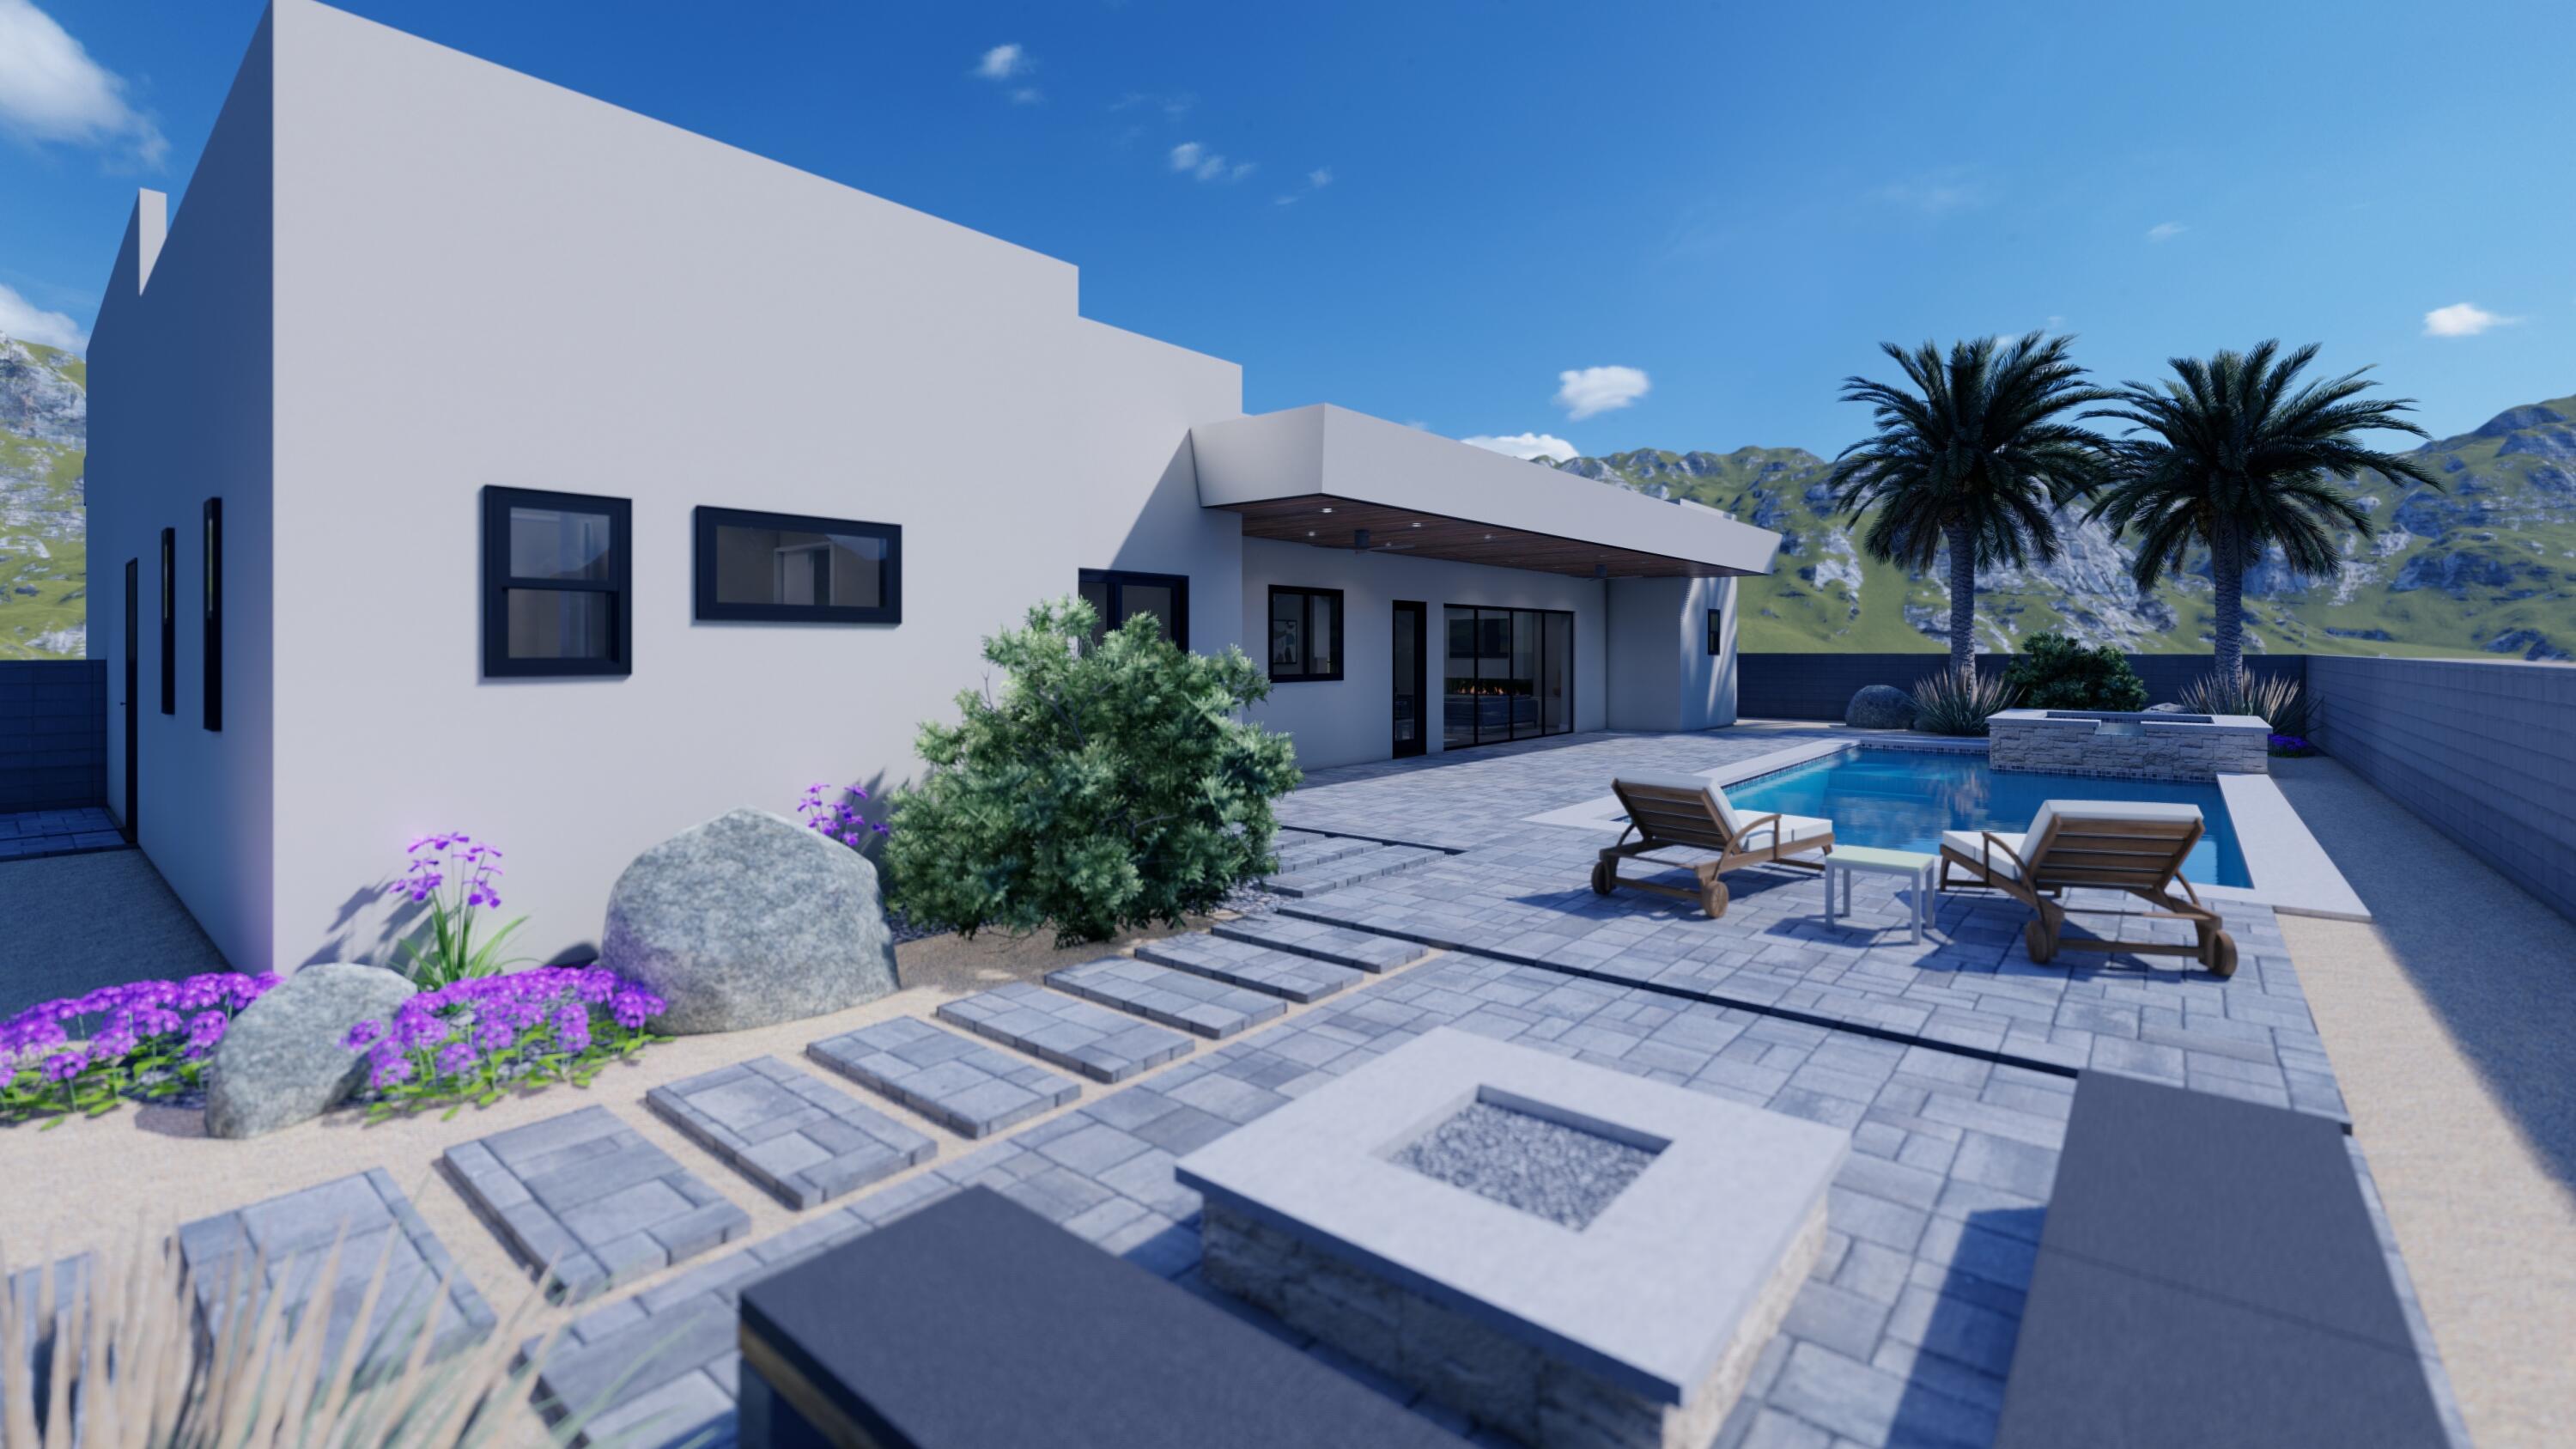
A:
(2122, 845)
(1667, 811)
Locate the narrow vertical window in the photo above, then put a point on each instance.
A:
(214, 648)
(1717, 631)
(169, 621)
(556, 579)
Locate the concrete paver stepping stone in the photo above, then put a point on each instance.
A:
(1333, 875)
(1255, 968)
(1324, 941)
(803, 1139)
(585, 1195)
(972, 1089)
(1103, 1045)
(287, 1240)
(1300, 850)
(1197, 1004)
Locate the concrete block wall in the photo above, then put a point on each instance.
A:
(2483, 752)
(53, 734)
(1820, 686)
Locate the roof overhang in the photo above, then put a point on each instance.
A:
(1323, 475)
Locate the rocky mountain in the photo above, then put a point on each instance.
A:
(2485, 566)
(44, 442)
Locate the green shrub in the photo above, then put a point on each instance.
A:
(1111, 784)
(2055, 672)
(2271, 697)
(1957, 701)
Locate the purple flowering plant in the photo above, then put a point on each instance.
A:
(835, 813)
(81, 1055)
(2280, 744)
(476, 1039)
(456, 876)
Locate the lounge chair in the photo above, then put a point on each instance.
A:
(2122, 845)
(1666, 811)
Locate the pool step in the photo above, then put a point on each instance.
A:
(1301, 850)
(1255, 968)
(1350, 870)
(1340, 945)
(1194, 1003)
(1093, 1040)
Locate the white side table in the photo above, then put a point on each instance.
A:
(1847, 861)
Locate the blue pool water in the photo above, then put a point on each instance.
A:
(1904, 799)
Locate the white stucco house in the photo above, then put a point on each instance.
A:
(408, 512)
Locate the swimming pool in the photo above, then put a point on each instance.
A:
(1904, 799)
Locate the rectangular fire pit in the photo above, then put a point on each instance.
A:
(1568, 1254)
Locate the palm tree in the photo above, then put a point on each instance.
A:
(1971, 461)
(2227, 456)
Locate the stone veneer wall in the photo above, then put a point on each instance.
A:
(1505, 1384)
(2174, 752)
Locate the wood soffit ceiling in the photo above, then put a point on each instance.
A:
(1327, 521)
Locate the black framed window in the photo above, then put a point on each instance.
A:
(786, 566)
(169, 621)
(1117, 596)
(1506, 674)
(214, 649)
(1717, 631)
(558, 573)
(1305, 634)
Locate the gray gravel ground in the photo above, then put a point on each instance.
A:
(1563, 1174)
(72, 922)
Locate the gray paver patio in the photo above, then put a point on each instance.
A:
(1283, 974)
(1364, 950)
(1902, 1335)
(585, 1196)
(804, 1140)
(972, 1089)
(26, 834)
(1334, 874)
(286, 1240)
(1196, 1004)
(1303, 849)
(1101, 1044)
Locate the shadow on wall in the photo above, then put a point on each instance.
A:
(352, 938)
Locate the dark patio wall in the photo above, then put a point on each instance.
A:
(1819, 686)
(53, 734)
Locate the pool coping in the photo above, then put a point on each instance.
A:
(2292, 873)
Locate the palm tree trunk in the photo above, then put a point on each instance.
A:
(2227, 576)
(1963, 599)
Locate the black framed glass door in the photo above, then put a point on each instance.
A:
(1506, 674)
(1412, 718)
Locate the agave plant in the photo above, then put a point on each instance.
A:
(2271, 697)
(1957, 701)
(114, 1359)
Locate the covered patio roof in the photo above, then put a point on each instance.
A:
(1333, 478)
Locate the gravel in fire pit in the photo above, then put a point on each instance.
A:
(1563, 1174)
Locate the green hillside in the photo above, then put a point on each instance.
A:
(44, 554)
(2485, 567)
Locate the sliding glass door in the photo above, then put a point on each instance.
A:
(1507, 674)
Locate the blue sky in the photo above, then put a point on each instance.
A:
(1618, 226)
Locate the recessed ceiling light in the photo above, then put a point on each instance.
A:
(1328, 510)
(1310, 533)
(1417, 524)
(1489, 538)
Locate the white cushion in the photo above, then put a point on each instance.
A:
(2110, 810)
(1972, 844)
(1696, 784)
(1793, 828)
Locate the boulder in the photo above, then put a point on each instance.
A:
(1880, 707)
(749, 920)
(285, 1059)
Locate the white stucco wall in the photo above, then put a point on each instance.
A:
(485, 279)
(1352, 719)
(180, 369)
(1662, 676)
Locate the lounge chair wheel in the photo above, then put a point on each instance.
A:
(1601, 877)
(2035, 936)
(1713, 899)
(2222, 956)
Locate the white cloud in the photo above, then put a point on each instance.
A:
(1936, 194)
(50, 90)
(2461, 319)
(1002, 62)
(1525, 445)
(1198, 161)
(1027, 96)
(25, 321)
(2165, 231)
(1320, 177)
(1590, 390)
